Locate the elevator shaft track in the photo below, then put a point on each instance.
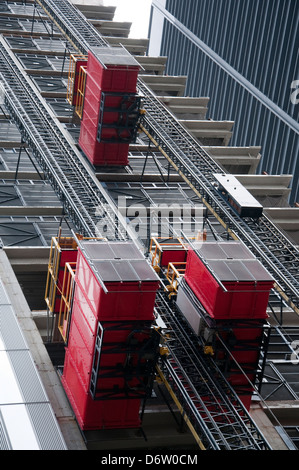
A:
(87, 205)
(215, 414)
(194, 164)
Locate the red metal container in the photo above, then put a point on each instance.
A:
(97, 414)
(118, 284)
(228, 280)
(245, 345)
(113, 68)
(84, 316)
(101, 153)
(80, 354)
(246, 400)
(122, 359)
(114, 283)
(91, 105)
(115, 348)
(167, 250)
(173, 256)
(111, 77)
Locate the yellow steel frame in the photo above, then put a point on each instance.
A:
(156, 248)
(72, 75)
(65, 290)
(81, 91)
(155, 253)
(71, 78)
(174, 272)
(57, 243)
(66, 298)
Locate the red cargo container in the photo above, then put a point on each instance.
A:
(167, 250)
(94, 414)
(113, 305)
(84, 316)
(245, 344)
(118, 282)
(234, 289)
(116, 340)
(113, 68)
(228, 280)
(101, 153)
(108, 118)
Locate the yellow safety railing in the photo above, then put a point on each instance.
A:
(80, 91)
(57, 244)
(73, 75)
(175, 271)
(66, 299)
(61, 287)
(156, 248)
(155, 254)
(71, 79)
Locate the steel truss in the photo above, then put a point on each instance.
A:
(192, 162)
(83, 199)
(217, 415)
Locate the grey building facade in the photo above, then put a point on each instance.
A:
(244, 56)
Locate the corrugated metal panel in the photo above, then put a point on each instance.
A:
(48, 436)
(28, 379)
(27, 421)
(4, 439)
(257, 39)
(10, 332)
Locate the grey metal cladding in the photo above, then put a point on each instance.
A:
(4, 438)
(44, 427)
(257, 41)
(49, 437)
(10, 333)
(28, 378)
(4, 300)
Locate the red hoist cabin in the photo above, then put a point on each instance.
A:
(106, 320)
(233, 287)
(103, 88)
(222, 290)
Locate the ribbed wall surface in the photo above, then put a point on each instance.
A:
(252, 42)
(27, 421)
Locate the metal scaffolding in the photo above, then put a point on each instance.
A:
(193, 163)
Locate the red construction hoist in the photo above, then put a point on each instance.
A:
(107, 323)
(222, 290)
(233, 287)
(103, 88)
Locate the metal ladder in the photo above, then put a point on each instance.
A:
(70, 20)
